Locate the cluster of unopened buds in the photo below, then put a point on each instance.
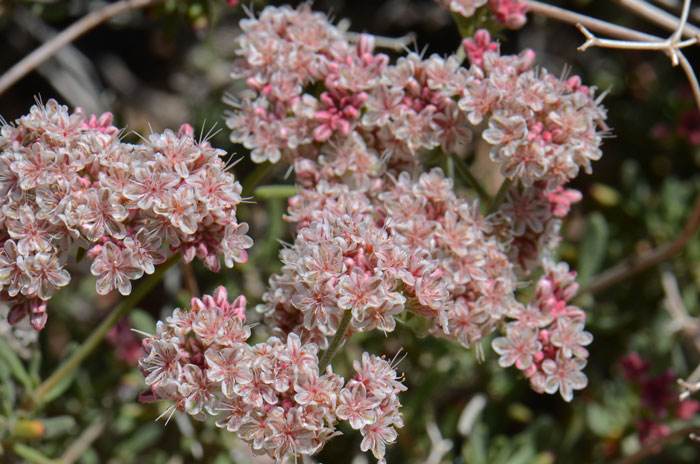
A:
(272, 395)
(67, 179)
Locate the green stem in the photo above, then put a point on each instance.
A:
(500, 196)
(270, 192)
(336, 342)
(255, 177)
(31, 455)
(464, 171)
(98, 334)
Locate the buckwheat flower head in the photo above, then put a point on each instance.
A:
(415, 246)
(68, 180)
(542, 128)
(545, 339)
(376, 236)
(370, 403)
(272, 394)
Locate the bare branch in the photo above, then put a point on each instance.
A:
(83, 442)
(659, 17)
(671, 45)
(664, 45)
(681, 321)
(593, 24)
(389, 43)
(690, 385)
(636, 264)
(75, 30)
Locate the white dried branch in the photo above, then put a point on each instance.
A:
(659, 17)
(681, 321)
(671, 46)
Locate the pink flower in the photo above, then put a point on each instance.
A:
(564, 374)
(102, 214)
(356, 407)
(517, 347)
(114, 268)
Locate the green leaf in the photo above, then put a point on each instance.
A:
(31, 455)
(8, 356)
(593, 248)
(80, 254)
(475, 450)
(59, 425)
(7, 391)
(606, 422)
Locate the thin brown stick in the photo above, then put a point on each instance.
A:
(190, 279)
(659, 17)
(75, 30)
(658, 445)
(83, 442)
(593, 24)
(637, 264)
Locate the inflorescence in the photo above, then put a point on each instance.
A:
(67, 179)
(379, 239)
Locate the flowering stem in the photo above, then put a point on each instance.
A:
(464, 171)
(336, 342)
(500, 196)
(190, 279)
(89, 345)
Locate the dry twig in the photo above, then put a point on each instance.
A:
(659, 17)
(75, 30)
(636, 264)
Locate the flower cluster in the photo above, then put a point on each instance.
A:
(541, 128)
(370, 403)
(530, 219)
(545, 339)
(339, 111)
(413, 246)
(66, 179)
(272, 394)
(508, 13)
(376, 238)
